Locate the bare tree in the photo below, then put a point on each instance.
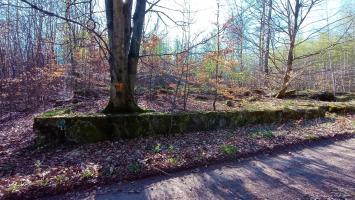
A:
(294, 14)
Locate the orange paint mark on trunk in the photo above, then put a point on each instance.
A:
(119, 87)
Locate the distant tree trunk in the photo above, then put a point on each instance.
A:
(241, 51)
(124, 46)
(71, 75)
(217, 60)
(186, 87)
(262, 37)
(242, 43)
(173, 106)
(187, 59)
(343, 73)
(268, 38)
(330, 61)
(332, 72)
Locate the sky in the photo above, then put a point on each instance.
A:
(204, 16)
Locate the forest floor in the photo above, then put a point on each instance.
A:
(27, 172)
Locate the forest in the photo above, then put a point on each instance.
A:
(97, 91)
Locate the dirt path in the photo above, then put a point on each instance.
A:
(322, 171)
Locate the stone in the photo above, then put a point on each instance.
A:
(63, 127)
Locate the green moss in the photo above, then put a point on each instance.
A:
(134, 167)
(307, 92)
(268, 134)
(173, 161)
(341, 107)
(288, 103)
(42, 182)
(229, 149)
(59, 179)
(183, 121)
(331, 115)
(84, 132)
(345, 97)
(311, 137)
(157, 148)
(56, 112)
(16, 186)
(171, 148)
(87, 174)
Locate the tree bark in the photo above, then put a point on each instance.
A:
(262, 37)
(217, 60)
(293, 28)
(268, 38)
(124, 46)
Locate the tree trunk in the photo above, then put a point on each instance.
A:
(293, 27)
(124, 45)
(187, 59)
(261, 37)
(217, 61)
(268, 38)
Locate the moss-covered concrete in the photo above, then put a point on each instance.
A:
(86, 128)
(55, 112)
(323, 95)
(345, 97)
